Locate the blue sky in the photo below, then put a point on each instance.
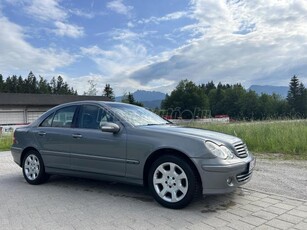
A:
(152, 45)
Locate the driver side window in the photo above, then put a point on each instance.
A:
(91, 116)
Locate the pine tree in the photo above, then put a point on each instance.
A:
(2, 85)
(31, 83)
(294, 95)
(302, 100)
(129, 98)
(43, 86)
(108, 92)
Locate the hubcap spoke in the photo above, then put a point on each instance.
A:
(172, 169)
(174, 196)
(163, 192)
(182, 189)
(181, 176)
(159, 181)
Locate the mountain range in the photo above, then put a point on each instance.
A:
(150, 99)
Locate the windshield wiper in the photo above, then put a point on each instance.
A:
(158, 124)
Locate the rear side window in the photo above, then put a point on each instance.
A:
(48, 121)
(62, 118)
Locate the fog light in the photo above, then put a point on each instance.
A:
(229, 181)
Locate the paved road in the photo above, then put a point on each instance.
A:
(68, 203)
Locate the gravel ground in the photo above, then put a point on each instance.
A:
(284, 177)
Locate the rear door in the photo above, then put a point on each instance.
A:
(55, 137)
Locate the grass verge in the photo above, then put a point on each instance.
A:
(283, 139)
(5, 142)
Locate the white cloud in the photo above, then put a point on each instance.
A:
(82, 13)
(19, 56)
(50, 12)
(119, 7)
(262, 42)
(126, 35)
(69, 30)
(46, 10)
(119, 61)
(169, 17)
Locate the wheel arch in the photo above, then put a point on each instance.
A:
(167, 151)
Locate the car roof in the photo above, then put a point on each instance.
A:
(92, 101)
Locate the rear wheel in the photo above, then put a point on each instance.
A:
(172, 182)
(33, 168)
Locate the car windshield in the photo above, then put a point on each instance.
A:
(137, 116)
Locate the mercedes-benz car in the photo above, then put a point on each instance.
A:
(126, 143)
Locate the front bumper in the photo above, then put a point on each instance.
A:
(218, 176)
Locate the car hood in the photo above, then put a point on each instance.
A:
(193, 133)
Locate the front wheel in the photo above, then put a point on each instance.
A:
(33, 168)
(172, 182)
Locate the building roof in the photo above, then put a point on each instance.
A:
(43, 99)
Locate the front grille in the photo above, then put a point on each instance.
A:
(241, 150)
(244, 176)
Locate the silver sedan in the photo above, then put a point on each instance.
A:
(126, 143)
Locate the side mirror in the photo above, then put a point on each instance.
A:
(109, 127)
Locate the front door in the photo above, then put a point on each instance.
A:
(96, 151)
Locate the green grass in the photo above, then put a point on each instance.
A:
(286, 138)
(5, 142)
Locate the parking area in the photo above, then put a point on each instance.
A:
(70, 203)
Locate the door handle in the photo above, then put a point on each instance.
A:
(41, 133)
(77, 135)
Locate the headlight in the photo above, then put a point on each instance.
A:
(219, 151)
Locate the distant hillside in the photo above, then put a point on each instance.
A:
(269, 89)
(152, 104)
(150, 99)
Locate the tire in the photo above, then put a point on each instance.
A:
(33, 168)
(172, 182)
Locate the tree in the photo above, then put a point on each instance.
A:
(2, 85)
(216, 98)
(9, 88)
(108, 92)
(208, 87)
(129, 98)
(231, 103)
(31, 83)
(297, 97)
(186, 97)
(20, 85)
(249, 107)
(92, 91)
(43, 86)
(302, 100)
(59, 86)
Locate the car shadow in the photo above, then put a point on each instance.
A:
(205, 204)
